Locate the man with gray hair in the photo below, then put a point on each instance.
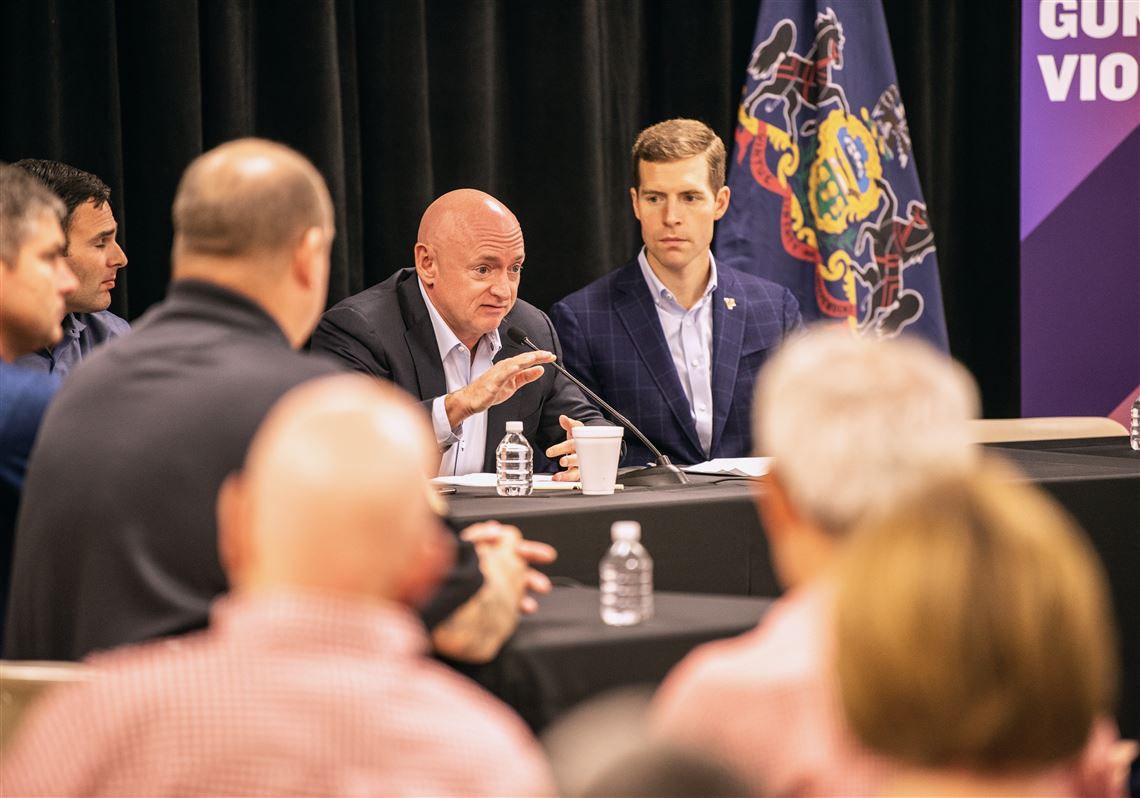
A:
(34, 283)
(93, 253)
(854, 426)
(117, 540)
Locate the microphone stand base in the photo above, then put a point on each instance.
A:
(654, 476)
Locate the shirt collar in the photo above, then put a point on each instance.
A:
(447, 340)
(322, 620)
(73, 325)
(658, 289)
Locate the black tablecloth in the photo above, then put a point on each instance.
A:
(707, 538)
(565, 654)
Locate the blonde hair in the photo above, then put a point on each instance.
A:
(858, 424)
(973, 629)
(675, 140)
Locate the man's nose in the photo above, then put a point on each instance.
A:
(672, 211)
(501, 286)
(118, 259)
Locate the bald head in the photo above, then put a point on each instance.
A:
(460, 218)
(334, 493)
(469, 257)
(248, 196)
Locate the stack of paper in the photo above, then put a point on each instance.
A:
(733, 466)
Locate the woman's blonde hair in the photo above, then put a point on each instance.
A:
(974, 629)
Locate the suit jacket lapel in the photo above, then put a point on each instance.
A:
(419, 335)
(728, 337)
(638, 313)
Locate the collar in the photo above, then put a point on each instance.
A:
(445, 339)
(317, 620)
(73, 325)
(658, 289)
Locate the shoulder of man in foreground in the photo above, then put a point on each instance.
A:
(765, 704)
(80, 739)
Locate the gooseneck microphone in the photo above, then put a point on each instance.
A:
(664, 473)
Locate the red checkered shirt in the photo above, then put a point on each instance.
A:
(767, 704)
(291, 694)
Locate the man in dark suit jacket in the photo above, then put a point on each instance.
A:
(672, 339)
(440, 332)
(117, 539)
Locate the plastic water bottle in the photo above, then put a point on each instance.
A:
(514, 463)
(626, 576)
(1134, 435)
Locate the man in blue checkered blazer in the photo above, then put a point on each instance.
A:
(671, 339)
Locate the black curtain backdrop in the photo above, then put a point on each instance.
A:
(534, 101)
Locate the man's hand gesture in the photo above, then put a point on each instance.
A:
(496, 385)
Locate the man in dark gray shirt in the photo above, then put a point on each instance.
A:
(116, 541)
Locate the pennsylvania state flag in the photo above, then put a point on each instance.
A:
(825, 197)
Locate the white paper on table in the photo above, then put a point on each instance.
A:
(733, 466)
(485, 480)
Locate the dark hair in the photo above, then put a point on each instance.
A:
(72, 185)
(661, 770)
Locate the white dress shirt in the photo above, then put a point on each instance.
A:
(462, 447)
(689, 334)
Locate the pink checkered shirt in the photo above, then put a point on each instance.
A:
(765, 702)
(292, 694)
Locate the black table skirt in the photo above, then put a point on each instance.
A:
(565, 654)
(707, 537)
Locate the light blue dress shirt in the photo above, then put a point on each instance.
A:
(463, 447)
(82, 332)
(689, 335)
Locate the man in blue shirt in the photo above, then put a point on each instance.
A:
(93, 255)
(673, 339)
(35, 282)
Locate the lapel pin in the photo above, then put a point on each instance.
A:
(729, 302)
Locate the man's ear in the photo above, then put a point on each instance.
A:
(426, 267)
(720, 204)
(777, 513)
(309, 257)
(233, 533)
(428, 565)
(633, 201)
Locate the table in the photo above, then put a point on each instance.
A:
(565, 654)
(707, 538)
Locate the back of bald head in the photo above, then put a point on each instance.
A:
(247, 197)
(335, 488)
(452, 217)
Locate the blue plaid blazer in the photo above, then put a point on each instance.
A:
(612, 340)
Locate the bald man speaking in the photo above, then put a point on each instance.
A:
(440, 332)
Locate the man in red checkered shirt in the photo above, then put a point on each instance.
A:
(311, 678)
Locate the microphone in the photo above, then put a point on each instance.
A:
(664, 473)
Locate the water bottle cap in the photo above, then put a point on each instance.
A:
(625, 530)
(514, 426)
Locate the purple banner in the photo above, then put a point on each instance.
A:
(1080, 205)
